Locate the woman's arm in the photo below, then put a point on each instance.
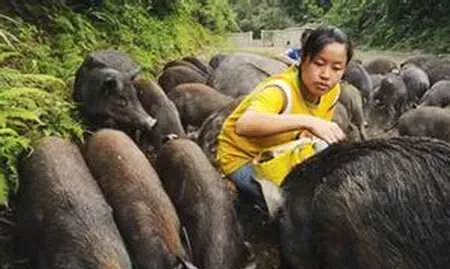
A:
(255, 124)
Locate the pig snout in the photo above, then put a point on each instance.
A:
(143, 120)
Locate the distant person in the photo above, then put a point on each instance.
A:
(293, 55)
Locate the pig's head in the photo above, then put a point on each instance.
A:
(108, 97)
(387, 103)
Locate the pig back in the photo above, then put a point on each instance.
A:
(143, 212)
(204, 204)
(63, 217)
(156, 103)
(240, 73)
(357, 75)
(376, 202)
(211, 127)
(196, 101)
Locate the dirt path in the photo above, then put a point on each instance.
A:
(364, 55)
(396, 56)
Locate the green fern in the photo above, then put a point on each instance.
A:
(26, 114)
(12, 145)
(18, 114)
(9, 19)
(16, 92)
(49, 83)
(3, 188)
(8, 55)
(6, 37)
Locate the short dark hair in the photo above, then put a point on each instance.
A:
(322, 36)
(305, 35)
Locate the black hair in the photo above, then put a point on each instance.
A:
(305, 35)
(322, 36)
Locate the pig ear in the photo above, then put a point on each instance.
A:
(132, 74)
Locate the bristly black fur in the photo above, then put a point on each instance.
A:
(374, 204)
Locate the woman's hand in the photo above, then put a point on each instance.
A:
(254, 124)
(328, 131)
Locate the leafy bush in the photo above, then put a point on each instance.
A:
(261, 15)
(216, 15)
(33, 107)
(38, 62)
(399, 24)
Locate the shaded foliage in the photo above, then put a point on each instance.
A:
(216, 15)
(255, 16)
(33, 107)
(397, 24)
(403, 24)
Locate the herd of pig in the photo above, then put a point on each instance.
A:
(144, 191)
(412, 98)
(377, 96)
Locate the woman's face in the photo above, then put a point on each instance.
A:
(321, 72)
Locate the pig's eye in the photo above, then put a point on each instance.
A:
(378, 102)
(123, 102)
(109, 85)
(118, 88)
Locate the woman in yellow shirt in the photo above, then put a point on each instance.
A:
(285, 107)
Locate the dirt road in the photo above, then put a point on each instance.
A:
(364, 55)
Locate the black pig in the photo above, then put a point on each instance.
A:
(144, 213)
(64, 220)
(196, 101)
(107, 98)
(205, 206)
(160, 107)
(426, 121)
(176, 75)
(416, 81)
(437, 95)
(379, 204)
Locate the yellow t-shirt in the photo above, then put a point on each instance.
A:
(234, 151)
